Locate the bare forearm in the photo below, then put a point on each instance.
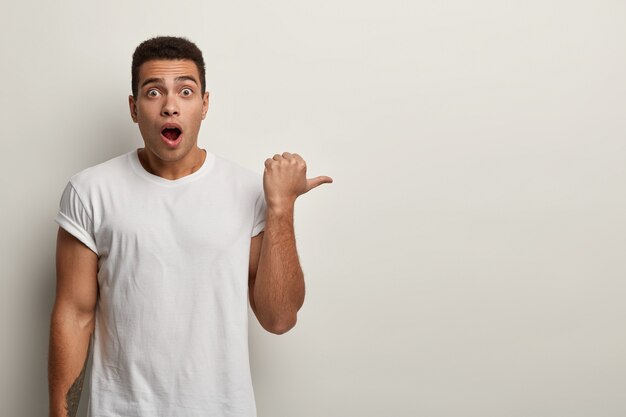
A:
(67, 359)
(279, 285)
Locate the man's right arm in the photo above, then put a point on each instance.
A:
(72, 323)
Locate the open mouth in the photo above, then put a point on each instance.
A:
(171, 133)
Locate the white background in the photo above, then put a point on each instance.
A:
(468, 260)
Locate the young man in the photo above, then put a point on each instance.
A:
(159, 251)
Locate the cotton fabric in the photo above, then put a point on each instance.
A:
(171, 331)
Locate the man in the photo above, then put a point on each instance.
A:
(158, 252)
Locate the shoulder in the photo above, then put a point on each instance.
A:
(235, 167)
(240, 174)
(97, 180)
(101, 173)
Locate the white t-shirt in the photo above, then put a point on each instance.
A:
(171, 333)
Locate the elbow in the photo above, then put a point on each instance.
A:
(281, 326)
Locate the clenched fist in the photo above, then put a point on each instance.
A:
(284, 179)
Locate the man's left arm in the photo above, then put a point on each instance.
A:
(276, 282)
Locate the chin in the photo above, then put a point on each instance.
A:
(181, 150)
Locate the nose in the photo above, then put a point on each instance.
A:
(170, 107)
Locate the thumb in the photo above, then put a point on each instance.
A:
(314, 182)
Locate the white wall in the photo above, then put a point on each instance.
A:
(468, 260)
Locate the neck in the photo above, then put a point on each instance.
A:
(172, 169)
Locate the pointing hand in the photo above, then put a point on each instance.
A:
(284, 179)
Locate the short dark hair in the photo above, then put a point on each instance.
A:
(166, 47)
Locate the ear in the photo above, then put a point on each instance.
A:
(205, 104)
(133, 108)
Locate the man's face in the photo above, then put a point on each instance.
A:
(169, 107)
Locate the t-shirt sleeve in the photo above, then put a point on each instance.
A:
(74, 218)
(259, 214)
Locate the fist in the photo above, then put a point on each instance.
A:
(284, 179)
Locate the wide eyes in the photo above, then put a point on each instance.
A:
(185, 92)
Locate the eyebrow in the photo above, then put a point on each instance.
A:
(162, 81)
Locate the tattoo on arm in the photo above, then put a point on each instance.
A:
(73, 395)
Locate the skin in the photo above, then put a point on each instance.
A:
(275, 281)
(72, 323)
(72, 398)
(169, 91)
